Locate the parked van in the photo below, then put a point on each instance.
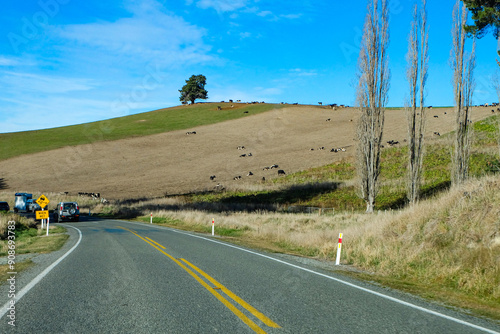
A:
(21, 203)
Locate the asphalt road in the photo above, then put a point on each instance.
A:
(121, 277)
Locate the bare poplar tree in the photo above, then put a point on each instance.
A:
(418, 59)
(463, 87)
(372, 94)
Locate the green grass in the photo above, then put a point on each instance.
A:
(143, 124)
(33, 240)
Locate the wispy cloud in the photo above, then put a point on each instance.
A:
(298, 72)
(44, 83)
(222, 5)
(150, 34)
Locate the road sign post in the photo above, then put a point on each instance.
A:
(213, 225)
(43, 201)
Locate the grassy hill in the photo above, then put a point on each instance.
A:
(446, 248)
(143, 124)
(334, 185)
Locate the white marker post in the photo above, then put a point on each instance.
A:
(48, 223)
(151, 221)
(43, 221)
(213, 226)
(337, 260)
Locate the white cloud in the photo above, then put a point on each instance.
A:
(46, 84)
(222, 5)
(150, 34)
(265, 13)
(302, 73)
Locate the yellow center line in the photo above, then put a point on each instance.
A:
(237, 299)
(155, 242)
(213, 291)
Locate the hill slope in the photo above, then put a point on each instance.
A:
(173, 162)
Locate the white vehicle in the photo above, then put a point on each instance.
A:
(21, 203)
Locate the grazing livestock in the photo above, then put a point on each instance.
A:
(219, 108)
(190, 133)
(241, 147)
(249, 174)
(274, 166)
(392, 142)
(212, 178)
(237, 178)
(341, 149)
(281, 172)
(320, 103)
(243, 155)
(245, 112)
(328, 120)
(91, 195)
(436, 116)
(437, 133)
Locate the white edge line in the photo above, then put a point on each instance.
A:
(399, 301)
(37, 279)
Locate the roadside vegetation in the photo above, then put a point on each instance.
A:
(445, 248)
(143, 124)
(29, 239)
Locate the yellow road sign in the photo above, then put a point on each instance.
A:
(42, 214)
(42, 201)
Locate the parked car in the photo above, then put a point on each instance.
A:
(4, 206)
(67, 211)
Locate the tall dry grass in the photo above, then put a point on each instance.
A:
(452, 240)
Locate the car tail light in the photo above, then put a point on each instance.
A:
(77, 207)
(61, 208)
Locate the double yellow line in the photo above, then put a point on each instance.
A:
(214, 290)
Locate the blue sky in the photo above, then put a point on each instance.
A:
(66, 62)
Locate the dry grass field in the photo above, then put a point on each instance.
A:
(176, 163)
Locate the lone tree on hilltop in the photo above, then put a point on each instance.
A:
(372, 94)
(194, 89)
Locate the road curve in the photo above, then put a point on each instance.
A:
(138, 278)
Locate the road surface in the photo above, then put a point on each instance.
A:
(123, 277)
